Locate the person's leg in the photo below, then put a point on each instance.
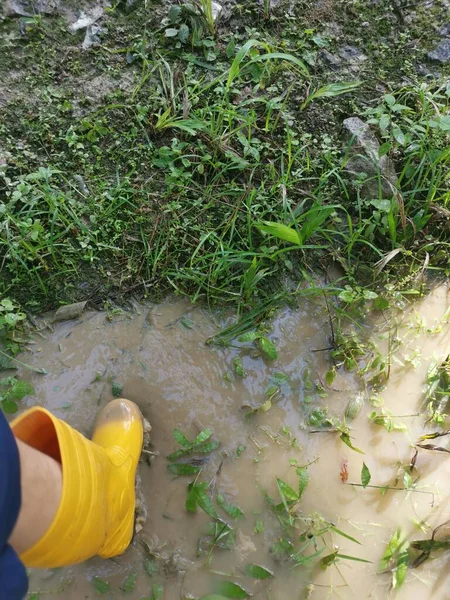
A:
(41, 483)
(78, 496)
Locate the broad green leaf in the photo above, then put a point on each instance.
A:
(365, 475)
(258, 572)
(330, 375)
(9, 406)
(183, 33)
(282, 56)
(187, 323)
(398, 135)
(281, 231)
(286, 492)
(180, 438)
(202, 436)
(204, 448)
(198, 495)
(191, 499)
(231, 48)
(129, 583)
(303, 480)
(328, 560)
(268, 347)
(250, 336)
(399, 573)
(181, 469)
(171, 32)
(151, 566)
(174, 13)
(230, 589)
(231, 509)
(259, 526)
(20, 389)
(239, 367)
(157, 591)
(236, 64)
(332, 90)
(346, 439)
(393, 546)
(101, 586)
(384, 149)
(312, 220)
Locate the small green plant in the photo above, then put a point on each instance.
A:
(13, 390)
(189, 453)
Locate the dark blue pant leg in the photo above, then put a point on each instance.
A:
(13, 577)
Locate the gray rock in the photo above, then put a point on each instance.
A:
(444, 30)
(352, 54)
(332, 60)
(363, 158)
(441, 53)
(29, 8)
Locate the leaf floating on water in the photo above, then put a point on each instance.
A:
(116, 389)
(181, 469)
(180, 438)
(268, 347)
(258, 572)
(354, 408)
(129, 583)
(101, 586)
(250, 336)
(198, 496)
(203, 436)
(231, 590)
(346, 439)
(151, 566)
(187, 323)
(69, 311)
(231, 509)
(365, 475)
(433, 447)
(205, 448)
(303, 480)
(239, 367)
(157, 591)
(433, 436)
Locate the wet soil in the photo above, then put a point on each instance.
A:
(159, 356)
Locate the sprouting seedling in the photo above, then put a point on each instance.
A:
(201, 445)
(331, 91)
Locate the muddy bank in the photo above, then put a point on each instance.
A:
(161, 362)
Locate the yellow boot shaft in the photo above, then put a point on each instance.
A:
(96, 512)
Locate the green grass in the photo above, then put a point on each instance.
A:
(212, 173)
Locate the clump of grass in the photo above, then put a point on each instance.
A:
(207, 180)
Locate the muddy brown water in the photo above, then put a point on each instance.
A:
(178, 381)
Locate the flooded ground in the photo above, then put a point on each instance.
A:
(158, 355)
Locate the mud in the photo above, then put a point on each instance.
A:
(178, 381)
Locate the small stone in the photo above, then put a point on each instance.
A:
(444, 30)
(29, 8)
(352, 54)
(331, 59)
(441, 53)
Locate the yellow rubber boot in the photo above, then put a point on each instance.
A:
(96, 512)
